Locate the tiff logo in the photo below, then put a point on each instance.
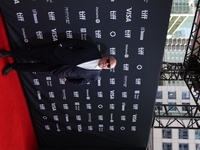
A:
(16, 2)
(20, 16)
(144, 14)
(39, 35)
(82, 15)
(113, 15)
(98, 34)
(52, 16)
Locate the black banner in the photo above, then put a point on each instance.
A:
(114, 112)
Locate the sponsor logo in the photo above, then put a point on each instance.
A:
(69, 34)
(39, 95)
(36, 82)
(83, 33)
(20, 16)
(142, 31)
(90, 128)
(133, 128)
(112, 106)
(124, 94)
(76, 94)
(112, 94)
(112, 81)
(111, 117)
(126, 67)
(55, 118)
(123, 106)
(49, 82)
(78, 117)
(88, 106)
(80, 128)
(113, 15)
(144, 14)
(97, 15)
(64, 94)
(138, 81)
(42, 107)
(126, 55)
(51, 95)
(53, 106)
(58, 128)
(134, 118)
(39, 35)
(100, 106)
(47, 127)
(139, 67)
(66, 117)
(35, 16)
(98, 34)
(87, 94)
(128, 14)
(125, 81)
(127, 33)
(123, 118)
(113, 51)
(135, 106)
(100, 127)
(49, 1)
(99, 81)
(100, 117)
(82, 15)
(100, 94)
(24, 35)
(77, 106)
(141, 51)
(113, 33)
(67, 19)
(54, 34)
(52, 16)
(16, 2)
(65, 106)
(136, 94)
(89, 117)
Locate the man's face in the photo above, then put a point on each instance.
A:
(107, 63)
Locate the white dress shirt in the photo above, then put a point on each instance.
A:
(90, 65)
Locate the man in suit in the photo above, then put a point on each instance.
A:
(75, 61)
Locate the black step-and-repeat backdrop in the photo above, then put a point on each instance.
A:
(115, 111)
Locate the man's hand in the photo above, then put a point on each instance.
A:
(64, 79)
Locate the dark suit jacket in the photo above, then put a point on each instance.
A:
(76, 75)
(72, 53)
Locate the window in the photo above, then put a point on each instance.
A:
(172, 108)
(167, 146)
(158, 107)
(167, 133)
(184, 107)
(185, 95)
(183, 134)
(197, 135)
(171, 95)
(183, 146)
(159, 95)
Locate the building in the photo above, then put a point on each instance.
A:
(176, 92)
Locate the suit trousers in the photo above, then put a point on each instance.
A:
(34, 67)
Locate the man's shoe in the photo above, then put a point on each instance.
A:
(7, 69)
(4, 53)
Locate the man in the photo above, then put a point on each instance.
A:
(75, 61)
